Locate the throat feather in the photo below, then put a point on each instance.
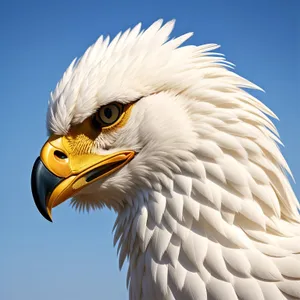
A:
(204, 226)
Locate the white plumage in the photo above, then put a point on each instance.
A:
(205, 210)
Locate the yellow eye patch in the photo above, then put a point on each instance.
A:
(81, 137)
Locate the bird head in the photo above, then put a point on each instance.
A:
(119, 116)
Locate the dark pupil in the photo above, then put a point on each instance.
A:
(107, 113)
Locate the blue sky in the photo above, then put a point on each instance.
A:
(74, 258)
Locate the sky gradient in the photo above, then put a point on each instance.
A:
(73, 258)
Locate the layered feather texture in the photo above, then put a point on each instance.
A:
(205, 210)
(212, 237)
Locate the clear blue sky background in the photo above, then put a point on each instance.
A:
(74, 258)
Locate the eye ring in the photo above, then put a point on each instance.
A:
(107, 115)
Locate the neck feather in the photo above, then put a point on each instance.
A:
(224, 213)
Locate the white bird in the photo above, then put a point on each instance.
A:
(167, 137)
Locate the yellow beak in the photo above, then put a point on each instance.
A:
(62, 170)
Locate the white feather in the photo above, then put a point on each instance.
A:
(160, 241)
(220, 290)
(162, 279)
(291, 288)
(270, 291)
(215, 263)
(263, 267)
(175, 206)
(194, 288)
(173, 250)
(237, 262)
(248, 289)
(195, 248)
(177, 276)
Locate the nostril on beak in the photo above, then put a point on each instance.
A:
(60, 154)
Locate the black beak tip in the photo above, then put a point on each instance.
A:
(42, 184)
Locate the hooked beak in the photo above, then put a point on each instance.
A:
(60, 173)
(43, 183)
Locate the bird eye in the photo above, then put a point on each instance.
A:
(108, 114)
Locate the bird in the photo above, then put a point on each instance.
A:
(168, 136)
